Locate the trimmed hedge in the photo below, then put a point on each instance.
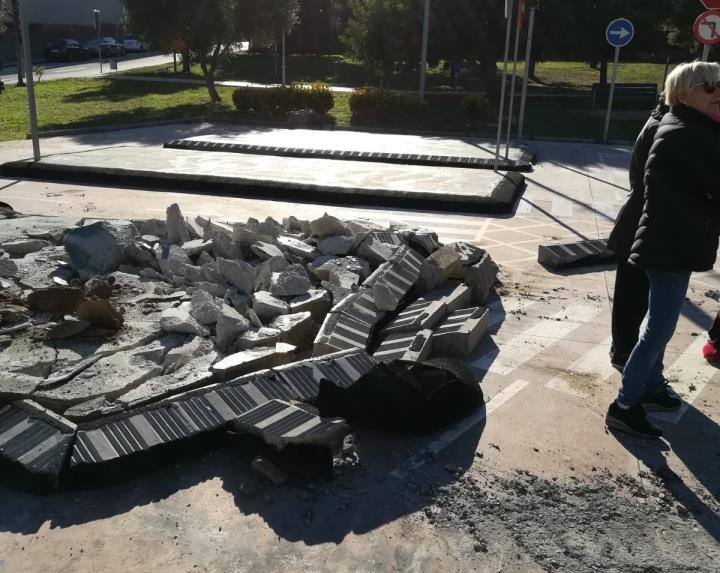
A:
(280, 100)
(382, 105)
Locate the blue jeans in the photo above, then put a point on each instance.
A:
(643, 373)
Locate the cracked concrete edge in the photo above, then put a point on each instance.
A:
(35, 410)
(501, 198)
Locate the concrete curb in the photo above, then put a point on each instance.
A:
(501, 198)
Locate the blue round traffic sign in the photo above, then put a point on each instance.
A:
(620, 32)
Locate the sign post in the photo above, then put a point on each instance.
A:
(619, 33)
(518, 29)
(96, 14)
(509, 17)
(424, 48)
(707, 30)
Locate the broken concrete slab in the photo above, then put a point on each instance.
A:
(438, 268)
(98, 248)
(322, 266)
(16, 386)
(327, 225)
(297, 329)
(181, 355)
(177, 228)
(171, 258)
(266, 251)
(230, 325)
(481, 277)
(392, 281)
(100, 313)
(8, 268)
(582, 253)
(297, 247)
(379, 246)
(178, 320)
(267, 307)
(293, 281)
(238, 274)
(419, 315)
(204, 307)
(154, 227)
(197, 247)
(55, 299)
(460, 333)
(469, 255)
(280, 424)
(257, 336)
(317, 302)
(336, 244)
(91, 410)
(21, 247)
(251, 360)
(350, 326)
(46, 268)
(425, 242)
(70, 326)
(35, 441)
(410, 346)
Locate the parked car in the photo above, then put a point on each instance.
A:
(134, 44)
(65, 50)
(109, 47)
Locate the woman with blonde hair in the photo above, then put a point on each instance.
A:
(677, 235)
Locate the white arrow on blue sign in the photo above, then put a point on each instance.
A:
(620, 32)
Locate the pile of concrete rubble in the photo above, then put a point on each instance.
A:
(118, 337)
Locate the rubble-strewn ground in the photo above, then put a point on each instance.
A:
(544, 486)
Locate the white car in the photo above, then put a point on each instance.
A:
(133, 44)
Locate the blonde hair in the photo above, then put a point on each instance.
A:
(685, 77)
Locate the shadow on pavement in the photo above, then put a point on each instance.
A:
(695, 440)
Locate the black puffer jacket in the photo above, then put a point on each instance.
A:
(623, 233)
(678, 229)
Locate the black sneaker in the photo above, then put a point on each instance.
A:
(664, 401)
(632, 421)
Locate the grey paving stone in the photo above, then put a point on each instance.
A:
(281, 424)
(577, 254)
(35, 440)
(460, 333)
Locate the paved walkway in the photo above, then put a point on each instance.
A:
(544, 372)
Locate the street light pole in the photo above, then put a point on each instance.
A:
(96, 13)
(423, 54)
(27, 56)
(509, 18)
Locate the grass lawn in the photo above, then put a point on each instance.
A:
(76, 103)
(342, 71)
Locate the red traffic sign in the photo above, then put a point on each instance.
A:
(711, 4)
(707, 28)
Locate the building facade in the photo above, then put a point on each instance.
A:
(57, 19)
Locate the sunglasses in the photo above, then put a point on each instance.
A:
(708, 87)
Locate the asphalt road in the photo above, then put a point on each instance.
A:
(89, 68)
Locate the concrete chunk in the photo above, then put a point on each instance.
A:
(36, 441)
(327, 225)
(251, 360)
(21, 247)
(177, 228)
(204, 307)
(336, 244)
(178, 320)
(316, 302)
(266, 306)
(438, 268)
(230, 324)
(293, 281)
(297, 329)
(99, 248)
(298, 247)
(460, 333)
(239, 274)
(481, 277)
(574, 254)
(411, 346)
(266, 251)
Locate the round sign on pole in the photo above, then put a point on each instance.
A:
(620, 32)
(707, 28)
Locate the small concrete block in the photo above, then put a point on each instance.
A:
(460, 333)
(578, 254)
(280, 424)
(35, 440)
(251, 360)
(481, 277)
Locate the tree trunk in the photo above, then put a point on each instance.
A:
(186, 62)
(209, 73)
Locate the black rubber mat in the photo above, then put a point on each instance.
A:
(522, 164)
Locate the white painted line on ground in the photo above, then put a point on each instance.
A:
(453, 433)
(595, 365)
(514, 352)
(688, 376)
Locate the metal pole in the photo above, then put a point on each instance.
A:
(97, 25)
(424, 49)
(706, 53)
(512, 86)
(283, 58)
(30, 82)
(526, 76)
(174, 61)
(612, 94)
(508, 16)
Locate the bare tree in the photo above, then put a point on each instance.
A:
(13, 13)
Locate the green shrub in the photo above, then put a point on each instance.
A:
(475, 107)
(382, 105)
(280, 100)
